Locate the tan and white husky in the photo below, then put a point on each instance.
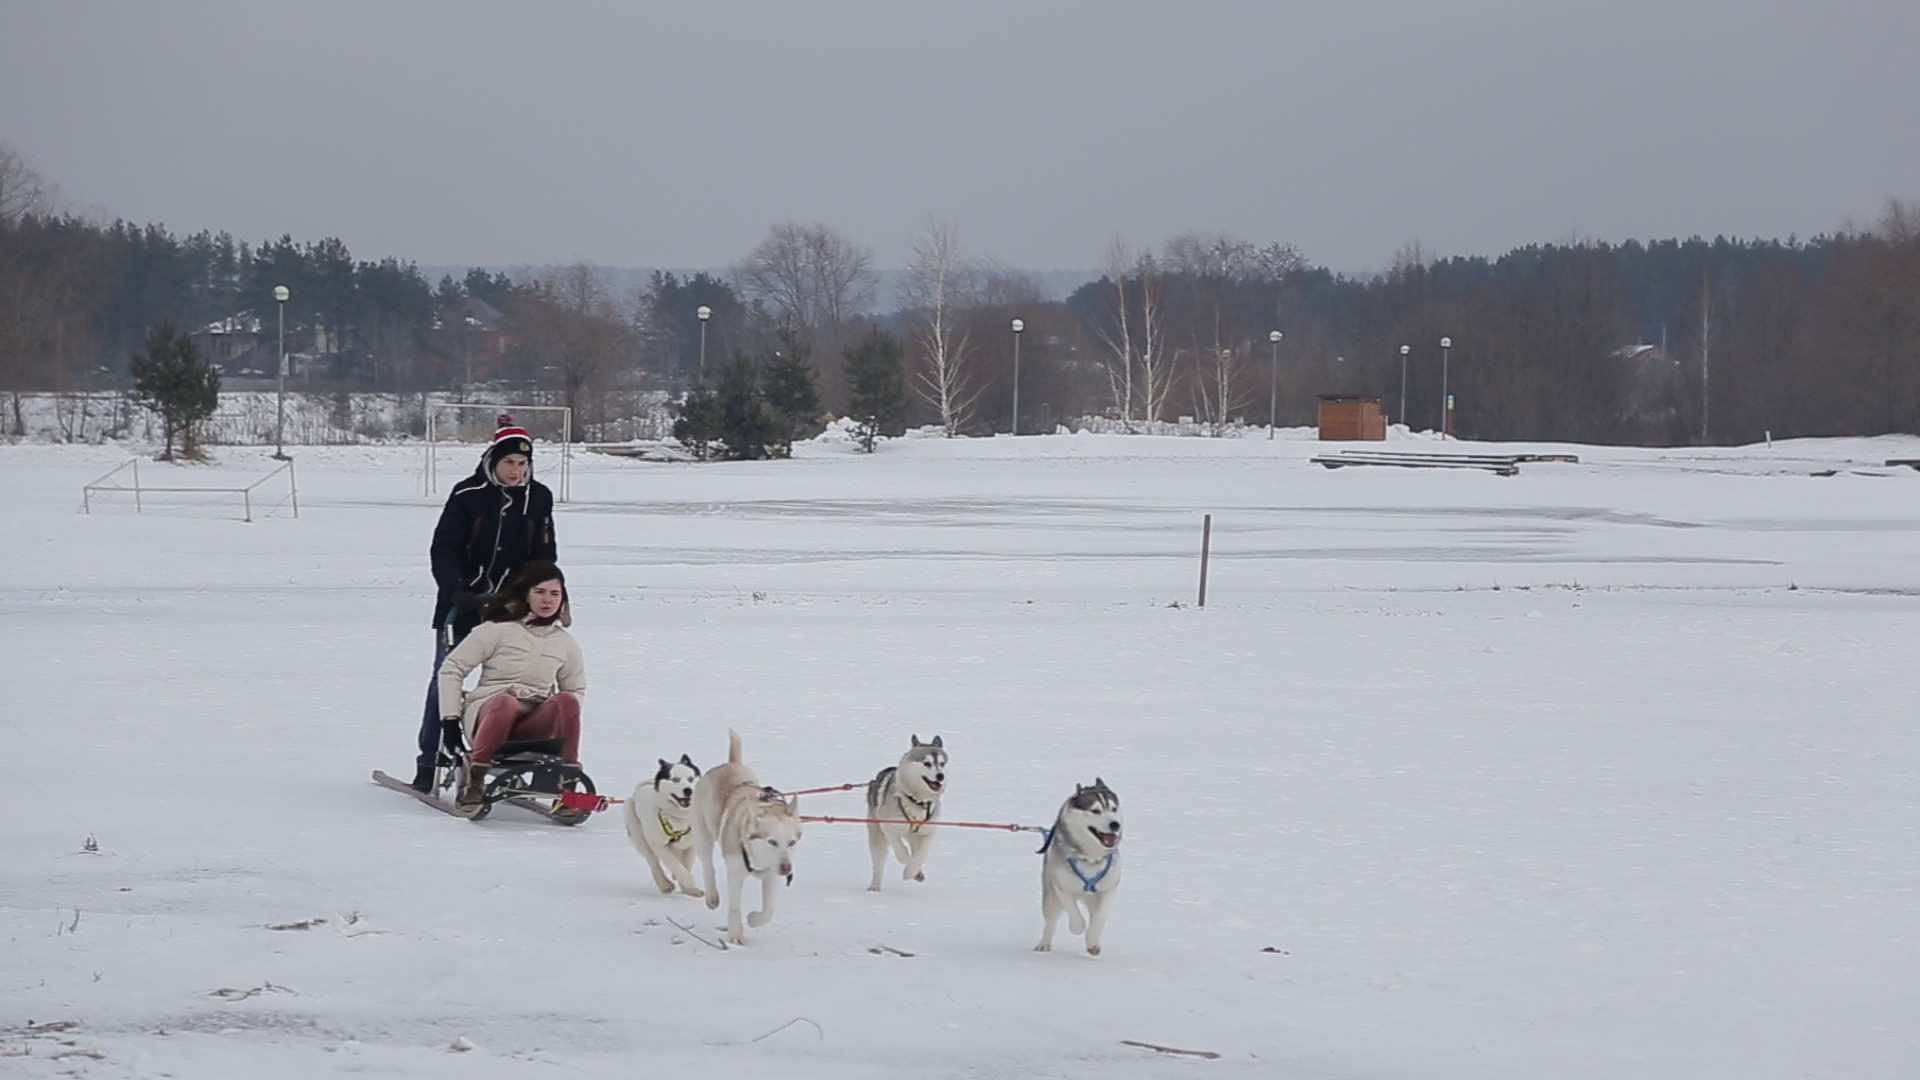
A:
(756, 828)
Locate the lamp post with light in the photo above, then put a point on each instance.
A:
(703, 313)
(280, 295)
(1273, 382)
(1018, 326)
(1446, 403)
(1404, 350)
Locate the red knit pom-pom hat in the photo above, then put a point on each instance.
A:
(509, 438)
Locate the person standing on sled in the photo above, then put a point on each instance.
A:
(494, 523)
(532, 677)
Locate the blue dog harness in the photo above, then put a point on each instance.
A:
(1092, 883)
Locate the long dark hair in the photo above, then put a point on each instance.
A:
(514, 607)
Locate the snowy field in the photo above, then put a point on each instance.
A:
(1606, 770)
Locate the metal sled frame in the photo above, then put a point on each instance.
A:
(527, 773)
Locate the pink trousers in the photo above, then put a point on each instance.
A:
(505, 718)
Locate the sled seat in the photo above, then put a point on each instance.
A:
(549, 747)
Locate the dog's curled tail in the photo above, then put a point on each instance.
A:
(733, 747)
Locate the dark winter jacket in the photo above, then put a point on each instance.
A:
(486, 534)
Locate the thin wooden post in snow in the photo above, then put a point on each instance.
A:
(1206, 543)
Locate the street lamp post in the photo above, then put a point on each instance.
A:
(703, 313)
(280, 295)
(1018, 325)
(1446, 403)
(1273, 382)
(1404, 350)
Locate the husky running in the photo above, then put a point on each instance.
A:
(910, 792)
(660, 824)
(1081, 864)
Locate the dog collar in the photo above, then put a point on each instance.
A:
(1092, 883)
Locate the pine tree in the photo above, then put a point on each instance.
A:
(793, 398)
(170, 379)
(877, 387)
(746, 431)
(696, 424)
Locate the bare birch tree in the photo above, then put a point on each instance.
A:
(1140, 366)
(941, 283)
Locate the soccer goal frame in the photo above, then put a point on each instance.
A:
(432, 478)
(111, 483)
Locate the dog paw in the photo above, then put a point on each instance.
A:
(757, 919)
(873, 888)
(693, 892)
(1093, 950)
(922, 876)
(1043, 947)
(665, 890)
(736, 939)
(713, 901)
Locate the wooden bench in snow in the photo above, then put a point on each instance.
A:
(1498, 464)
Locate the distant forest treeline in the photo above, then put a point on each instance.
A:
(1664, 343)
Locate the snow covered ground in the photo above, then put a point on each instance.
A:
(1604, 770)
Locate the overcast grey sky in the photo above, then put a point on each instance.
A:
(673, 134)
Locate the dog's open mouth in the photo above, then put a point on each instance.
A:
(1107, 839)
(684, 801)
(935, 785)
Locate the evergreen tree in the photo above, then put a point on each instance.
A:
(787, 386)
(746, 431)
(876, 386)
(696, 423)
(170, 379)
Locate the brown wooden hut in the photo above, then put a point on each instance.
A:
(1347, 418)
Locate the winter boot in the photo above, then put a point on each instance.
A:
(423, 779)
(472, 794)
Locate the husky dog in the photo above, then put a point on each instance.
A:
(909, 791)
(1081, 864)
(756, 829)
(660, 824)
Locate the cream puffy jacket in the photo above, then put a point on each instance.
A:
(529, 662)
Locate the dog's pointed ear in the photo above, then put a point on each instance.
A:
(663, 765)
(915, 738)
(936, 741)
(793, 803)
(688, 762)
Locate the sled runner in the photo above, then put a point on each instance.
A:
(528, 774)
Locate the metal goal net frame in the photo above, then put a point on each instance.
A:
(432, 472)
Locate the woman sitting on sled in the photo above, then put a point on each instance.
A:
(531, 677)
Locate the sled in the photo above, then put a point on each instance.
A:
(528, 774)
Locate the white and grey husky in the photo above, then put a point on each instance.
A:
(660, 824)
(909, 792)
(756, 828)
(1081, 864)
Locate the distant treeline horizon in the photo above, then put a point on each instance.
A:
(1665, 342)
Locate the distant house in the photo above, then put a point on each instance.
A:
(476, 346)
(228, 343)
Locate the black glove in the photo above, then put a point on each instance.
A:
(453, 736)
(474, 603)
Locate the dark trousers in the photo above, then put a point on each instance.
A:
(430, 718)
